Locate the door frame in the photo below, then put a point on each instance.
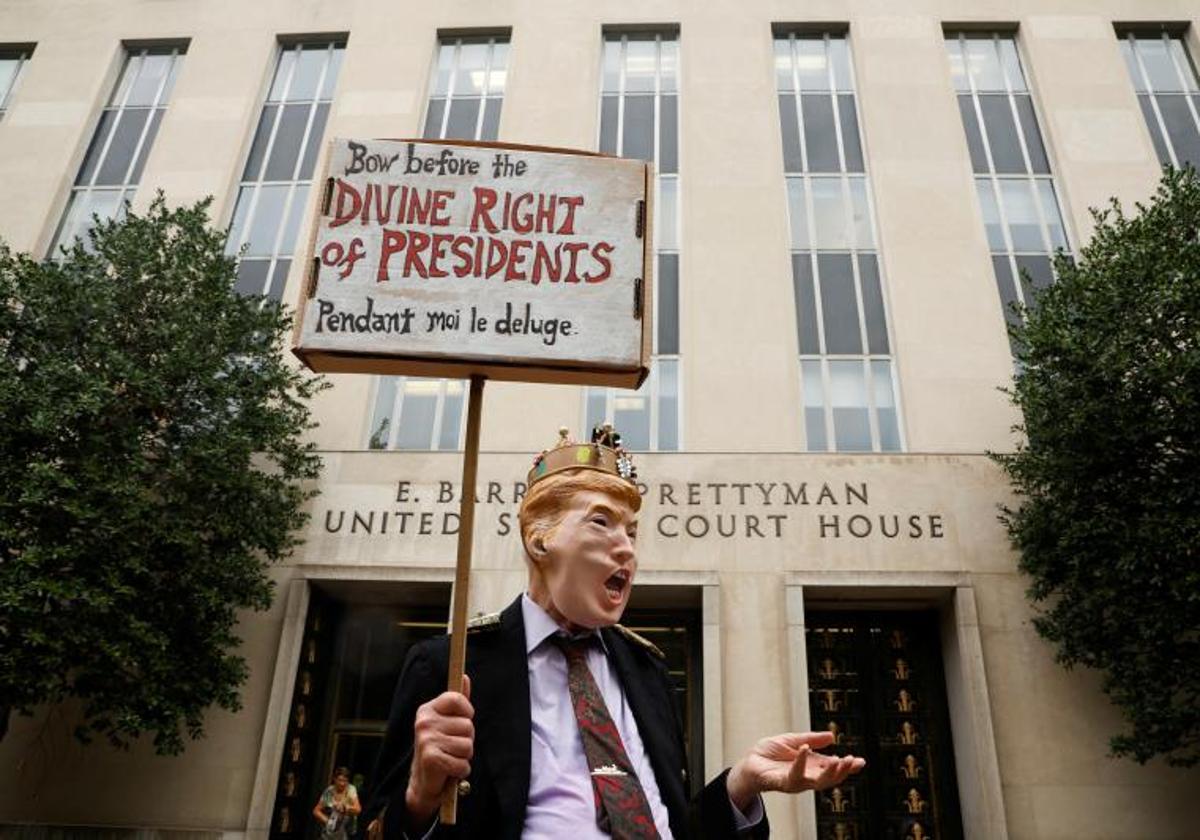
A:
(952, 596)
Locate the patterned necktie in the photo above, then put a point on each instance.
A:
(621, 806)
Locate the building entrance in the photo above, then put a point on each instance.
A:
(875, 681)
(350, 660)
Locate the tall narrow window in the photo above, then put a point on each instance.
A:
(12, 65)
(278, 171)
(128, 124)
(846, 370)
(465, 97)
(639, 118)
(1165, 80)
(1013, 179)
(468, 89)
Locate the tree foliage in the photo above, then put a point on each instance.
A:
(152, 466)
(1108, 479)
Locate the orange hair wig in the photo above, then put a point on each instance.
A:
(546, 502)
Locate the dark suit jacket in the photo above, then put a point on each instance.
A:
(497, 665)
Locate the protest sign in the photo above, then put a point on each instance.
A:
(452, 259)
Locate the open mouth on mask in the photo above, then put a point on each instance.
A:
(617, 583)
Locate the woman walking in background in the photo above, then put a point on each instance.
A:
(338, 808)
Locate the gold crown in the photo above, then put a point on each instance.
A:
(604, 454)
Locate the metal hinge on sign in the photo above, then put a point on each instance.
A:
(637, 298)
(313, 268)
(640, 226)
(325, 198)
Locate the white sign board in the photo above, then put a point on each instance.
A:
(451, 259)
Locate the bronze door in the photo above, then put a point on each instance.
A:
(876, 681)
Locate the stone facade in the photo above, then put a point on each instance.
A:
(755, 528)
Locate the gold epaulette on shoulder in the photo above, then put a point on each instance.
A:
(483, 622)
(642, 641)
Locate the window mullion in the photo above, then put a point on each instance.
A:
(120, 109)
(621, 58)
(455, 57)
(137, 149)
(1002, 213)
(394, 414)
(1043, 223)
(291, 76)
(260, 178)
(138, 58)
(657, 110)
(1020, 129)
(827, 407)
(872, 409)
(1031, 178)
(397, 411)
(487, 74)
(312, 113)
(656, 364)
(856, 278)
(1183, 81)
(118, 115)
(835, 110)
(439, 407)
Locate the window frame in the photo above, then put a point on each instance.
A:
(1127, 38)
(493, 37)
(854, 249)
(22, 54)
(651, 389)
(239, 236)
(1030, 176)
(69, 226)
(439, 415)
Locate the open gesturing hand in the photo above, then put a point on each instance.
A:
(788, 763)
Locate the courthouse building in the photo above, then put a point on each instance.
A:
(847, 195)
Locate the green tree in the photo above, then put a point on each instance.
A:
(1108, 478)
(152, 467)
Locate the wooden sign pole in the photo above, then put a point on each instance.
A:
(462, 571)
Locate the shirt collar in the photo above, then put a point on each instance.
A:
(539, 626)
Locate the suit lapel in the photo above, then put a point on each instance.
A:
(502, 722)
(655, 722)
